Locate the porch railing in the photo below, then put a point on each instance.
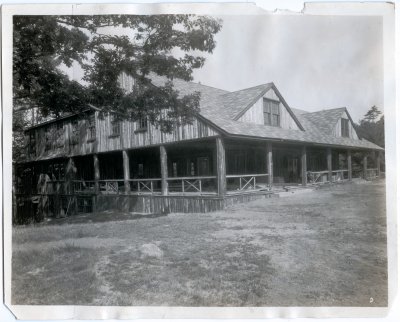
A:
(198, 185)
(114, 186)
(145, 186)
(322, 176)
(372, 173)
(84, 186)
(241, 182)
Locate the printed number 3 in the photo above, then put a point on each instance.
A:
(371, 299)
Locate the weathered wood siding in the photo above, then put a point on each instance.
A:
(133, 137)
(71, 137)
(255, 114)
(337, 131)
(56, 140)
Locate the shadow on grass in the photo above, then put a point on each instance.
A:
(105, 216)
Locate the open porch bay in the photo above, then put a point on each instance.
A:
(202, 176)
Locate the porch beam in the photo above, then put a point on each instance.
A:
(270, 165)
(164, 170)
(96, 168)
(329, 163)
(365, 165)
(221, 167)
(127, 175)
(304, 166)
(378, 163)
(349, 165)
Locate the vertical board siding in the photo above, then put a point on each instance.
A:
(130, 137)
(255, 114)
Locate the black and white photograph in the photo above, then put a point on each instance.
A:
(198, 160)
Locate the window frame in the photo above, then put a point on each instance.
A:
(115, 126)
(142, 124)
(345, 130)
(32, 143)
(74, 131)
(269, 114)
(91, 127)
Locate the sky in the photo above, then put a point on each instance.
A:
(316, 62)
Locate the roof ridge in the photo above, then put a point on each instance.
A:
(251, 87)
(329, 109)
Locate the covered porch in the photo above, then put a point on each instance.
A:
(219, 167)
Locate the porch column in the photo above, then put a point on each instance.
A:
(329, 163)
(270, 165)
(349, 166)
(365, 165)
(96, 173)
(378, 163)
(221, 168)
(164, 170)
(127, 176)
(304, 166)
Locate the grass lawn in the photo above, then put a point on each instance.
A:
(321, 248)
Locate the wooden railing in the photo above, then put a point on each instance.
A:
(372, 173)
(113, 186)
(84, 186)
(322, 176)
(145, 186)
(199, 185)
(242, 182)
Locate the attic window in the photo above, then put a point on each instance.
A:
(345, 127)
(271, 112)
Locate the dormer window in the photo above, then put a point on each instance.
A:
(271, 113)
(345, 127)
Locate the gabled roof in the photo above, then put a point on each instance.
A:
(221, 109)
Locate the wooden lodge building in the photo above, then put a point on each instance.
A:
(239, 147)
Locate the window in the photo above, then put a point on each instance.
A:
(142, 124)
(59, 135)
(48, 136)
(74, 132)
(115, 126)
(32, 143)
(140, 169)
(345, 128)
(174, 169)
(91, 127)
(271, 113)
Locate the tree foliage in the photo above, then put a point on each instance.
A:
(104, 47)
(372, 127)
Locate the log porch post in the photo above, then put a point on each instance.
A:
(378, 163)
(349, 166)
(270, 165)
(96, 168)
(164, 170)
(127, 176)
(365, 165)
(221, 167)
(304, 166)
(329, 163)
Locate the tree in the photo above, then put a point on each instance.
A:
(372, 114)
(104, 47)
(370, 128)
